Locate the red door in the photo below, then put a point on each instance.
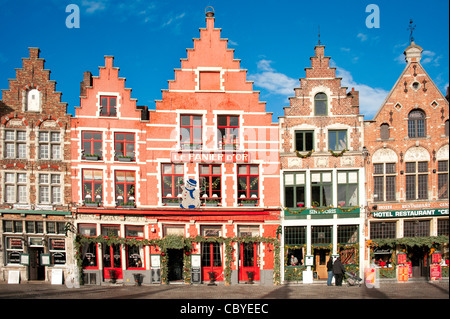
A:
(212, 261)
(248, 261)
(112, 261)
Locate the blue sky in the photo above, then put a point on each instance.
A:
(273, 39)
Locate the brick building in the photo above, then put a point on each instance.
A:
(209, 130)
(35, 180)
(322, 174)
(407, 184)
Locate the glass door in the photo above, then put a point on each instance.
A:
(248, 261)
(212, 261)
(112, 262)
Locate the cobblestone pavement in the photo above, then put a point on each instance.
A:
(409, 290)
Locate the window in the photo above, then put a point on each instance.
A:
(347, 234)
(15, 144)
(49, 145)
(16, 188)
(443, 178)
(210, 183)
(347, 189)
(124, 146)
(320, 104)
(228, 131)
(446, 129)
(50, 189)
(191, 132)
(14, 247)
(295, 235)
(56, 228)
(87, 229)
(135, 254)
(416, 180)
(321, 189)
(384, 179)
(34, 227)
(12, 226)
(108, 105)
(248, 184)
(294, 190)
(443, 227)
(33, 100)
(416, 228)
(125, 188)
(172, 181)
(384, 131)
(337, 140)
(57, 248)
(381, 230)
(416, 124)
(304, 141)
(92, 144)
(321, 234)
(88, 251)
(92, 186)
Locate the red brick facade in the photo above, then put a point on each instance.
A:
(35, 179)
(407, 184)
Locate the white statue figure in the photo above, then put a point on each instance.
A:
(190, 195)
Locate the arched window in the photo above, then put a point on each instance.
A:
(384, 131)
(320, 104)
(416, 124)
(33, 100)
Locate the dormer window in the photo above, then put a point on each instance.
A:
(108, 106)
(33, 100)
(416, 124)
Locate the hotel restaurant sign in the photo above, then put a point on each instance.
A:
(411, 213)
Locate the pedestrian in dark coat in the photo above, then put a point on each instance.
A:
(330, 271)
(338, 271)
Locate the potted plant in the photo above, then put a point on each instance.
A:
(112, 275)
(123, 158)
(212, 278)
(91, 157)
(248, 202)
(172, 202)
(251, 276)
(137, 279)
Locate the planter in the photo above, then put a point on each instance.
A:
(173, 204)
(251, 276)
(91, 204)
(137, 279)
(124, 159)
(91, 158)
(112, 275)
(249, 204)
(212, 278)
(211, 204)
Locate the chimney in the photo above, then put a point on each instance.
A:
(87, 81)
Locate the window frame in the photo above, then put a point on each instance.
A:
(16, 144)
(131, 194)
(209, 189)
(385, 176)
(192, 144)
(124, 143)
(176, 180)
(248, 192)
(414, 181)
(108, 106)
(20, 188)
(316, 99)
(48, 148)
(303, 133)
(321, 184)
(346, 185)
(296, 185)
(337, 132)
(130, 249)
(223, 142)
(94, 185)
(91, 141)
(51, 186)
(414, 124)
(383, 230)
(443, 178)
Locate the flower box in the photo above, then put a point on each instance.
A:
(91, 158)
(124, 159)
(91, 204)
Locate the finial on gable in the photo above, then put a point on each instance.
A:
(209, 13)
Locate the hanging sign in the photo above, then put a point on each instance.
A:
(210, 157)
(436, 258)
(401, 258)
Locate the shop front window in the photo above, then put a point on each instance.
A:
(14, 247)
(57, 248)
(321, 189)
(294, 190)
(135, 253)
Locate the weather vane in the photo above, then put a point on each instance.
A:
(411, 27)
(319, 34)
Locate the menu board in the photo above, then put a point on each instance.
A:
(436, 258)
(435, 272)
(401, 258)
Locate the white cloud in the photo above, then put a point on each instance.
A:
(362, 36)
(370, 98)
(274, 82)
(94, 5)
(174, 19)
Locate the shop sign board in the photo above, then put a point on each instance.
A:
(329, 211)
(435, 272)
(436, 258)
(210, 157)
(411, 213)
(401, 258)
(403, 272)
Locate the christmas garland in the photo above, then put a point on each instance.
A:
(179, 242)
(304, 156)
(338, 154)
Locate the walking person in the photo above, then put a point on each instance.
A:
(330, 271)
(338, 271)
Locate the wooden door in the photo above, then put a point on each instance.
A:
(112, 261)
(321, 257)
(248, 261)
